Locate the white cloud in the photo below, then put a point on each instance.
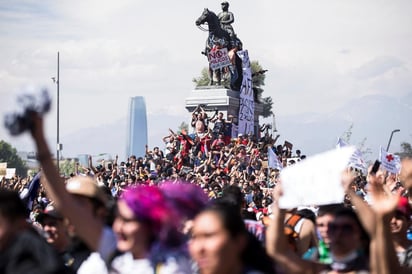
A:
(377, 67)
(113, 50)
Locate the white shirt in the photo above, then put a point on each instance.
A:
(125, 264)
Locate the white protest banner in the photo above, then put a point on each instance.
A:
(389, 161)
(315, 181)
(218, 58)
(247, 103)
(3, 167)
(235, 130)
(356, 160)
(273, 160)
(3, 170)
(10, 173)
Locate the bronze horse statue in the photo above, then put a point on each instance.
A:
(220, 38)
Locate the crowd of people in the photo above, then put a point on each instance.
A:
(207, 203)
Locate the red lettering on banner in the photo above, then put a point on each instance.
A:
(212, 55)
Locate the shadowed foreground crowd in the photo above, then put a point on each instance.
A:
(208, 204)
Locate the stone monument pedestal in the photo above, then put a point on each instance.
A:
(221, 99)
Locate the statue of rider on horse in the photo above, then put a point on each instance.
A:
(222, 40)
(226, 19)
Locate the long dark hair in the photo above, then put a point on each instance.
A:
(254, 255)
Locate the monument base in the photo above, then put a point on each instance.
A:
(221, 99)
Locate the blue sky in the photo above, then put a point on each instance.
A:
(319, 54)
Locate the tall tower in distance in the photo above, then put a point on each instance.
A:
(137, 127)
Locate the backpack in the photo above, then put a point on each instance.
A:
(290, 233)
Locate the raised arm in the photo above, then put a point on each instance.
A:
(383, 257)
(90, 162)
(115, 160)
(277, 246)
(165, 138)
(276, 138)
(363, 210)
(87, 226)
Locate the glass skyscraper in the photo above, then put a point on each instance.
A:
(137, 127)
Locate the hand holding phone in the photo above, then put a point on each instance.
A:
(375, 167)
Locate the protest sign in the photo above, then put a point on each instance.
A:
(288, 145)
(356, 160)
(218, 58)
(10, 173)
(273, 160)
(315, 181)
(389, 161)
(3, 170)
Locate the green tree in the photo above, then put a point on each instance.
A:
(406, 150)
(258, 80)
(9, 155)
(203, 79)
(67, 167)
(267, 106)
(183, 126)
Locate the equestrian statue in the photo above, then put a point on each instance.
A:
(221, 36)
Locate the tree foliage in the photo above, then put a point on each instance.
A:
(258, 80)
(406, 150)
(267, 106)
(183, 127)
(9, 155)
(203, 79)
(67, 167)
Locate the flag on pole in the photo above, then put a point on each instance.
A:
(389, 161)
(273, 160)
(29, 194)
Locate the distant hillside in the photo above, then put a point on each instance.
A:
(373, 118)
(111, 138)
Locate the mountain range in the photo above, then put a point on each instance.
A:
(366, 122)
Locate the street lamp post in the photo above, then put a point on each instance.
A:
(274, 129)
(58, 145)
(390, 138)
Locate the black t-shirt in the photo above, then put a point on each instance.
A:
(30, 253)
(218, 127)
(76, 254)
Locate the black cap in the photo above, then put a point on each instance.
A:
(49, 211)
